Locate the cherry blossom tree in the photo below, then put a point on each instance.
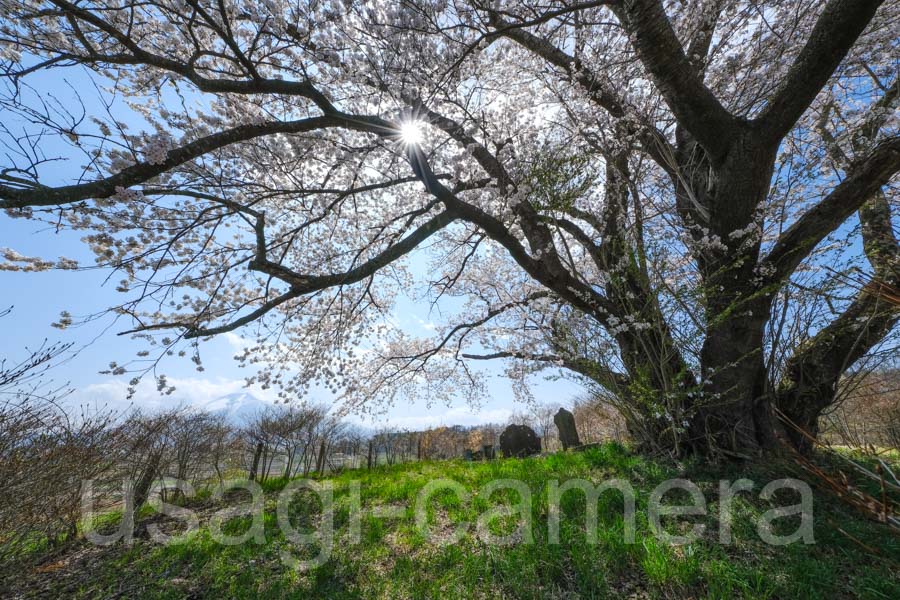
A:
(644, 193)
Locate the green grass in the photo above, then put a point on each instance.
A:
(393, 559)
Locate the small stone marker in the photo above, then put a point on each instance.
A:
(568, 433)
(488, 452)
(519, 440)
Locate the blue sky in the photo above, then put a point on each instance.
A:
(39, 298)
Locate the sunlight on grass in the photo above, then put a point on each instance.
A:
(394, 560)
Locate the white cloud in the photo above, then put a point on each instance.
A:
(426, 325)
(237, 343)
(201, 392)
(113, 393)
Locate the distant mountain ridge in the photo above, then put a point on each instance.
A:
(237, 408)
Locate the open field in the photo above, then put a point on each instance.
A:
(393, 558)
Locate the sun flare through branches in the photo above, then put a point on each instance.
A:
(412, 132)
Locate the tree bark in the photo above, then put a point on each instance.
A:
(320, 463)
(813, 373)
(142, 489)
(256, 456)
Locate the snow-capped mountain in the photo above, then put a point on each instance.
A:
(238, 408)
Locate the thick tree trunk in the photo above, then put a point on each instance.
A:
(736, 415)
(730, 414)
(733, 375)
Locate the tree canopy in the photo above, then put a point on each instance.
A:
(687, 204)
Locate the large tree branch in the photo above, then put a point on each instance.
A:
(585, 240)
(693, 104)
(17, 197)
(469, 326)
(600, 92)
(837, 29)
(597, 89)
(594, 371)
(549, 273)
(539, 236)
(880, 112)
(865, 177)
(140, 56)
(812, 373)
(303, 284)
(701, 40)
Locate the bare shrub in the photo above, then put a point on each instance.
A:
(45, 454)
(868, 415)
